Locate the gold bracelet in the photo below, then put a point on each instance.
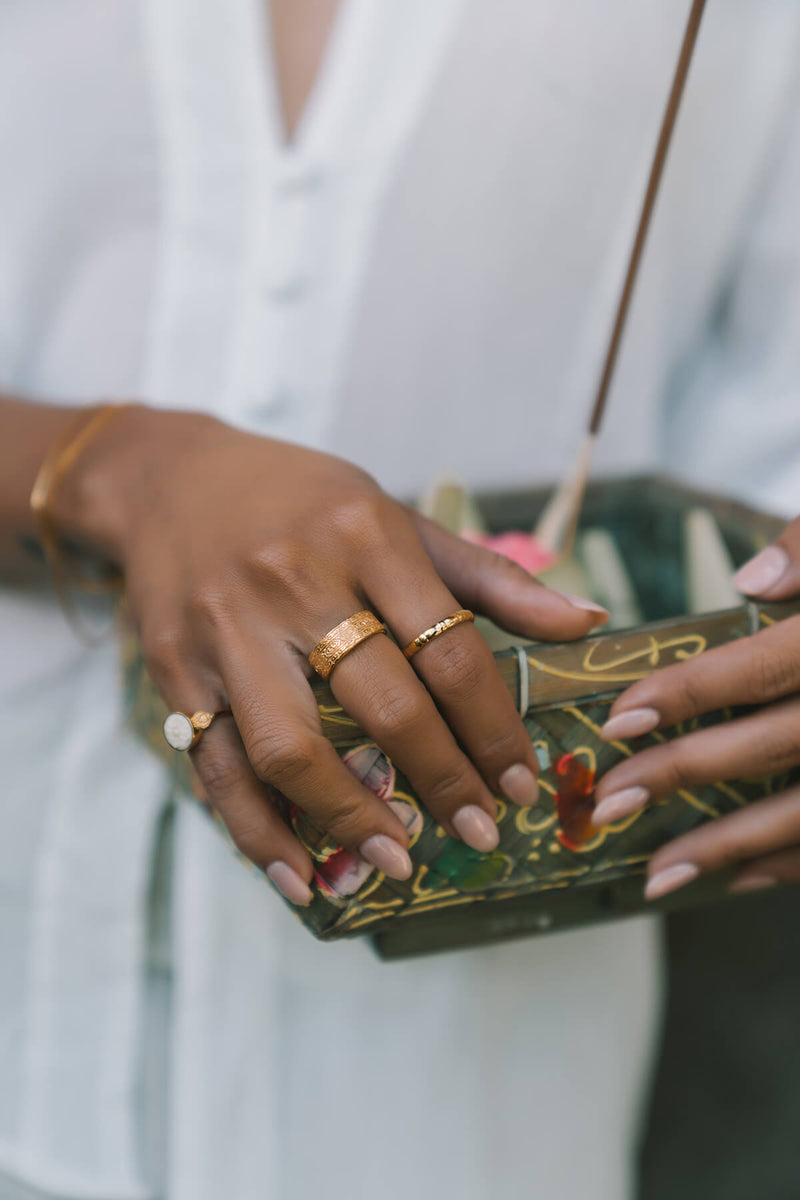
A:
(60, 458)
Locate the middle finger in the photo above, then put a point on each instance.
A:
(459, 671)
(379, 690)
(765, 741)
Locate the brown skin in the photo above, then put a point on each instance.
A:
(763, 670)
(300, 30)
(239, 554)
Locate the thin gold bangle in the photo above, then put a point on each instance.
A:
(58, 461)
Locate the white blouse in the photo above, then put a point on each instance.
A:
(439, 250)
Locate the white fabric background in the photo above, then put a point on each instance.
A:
(440, 249)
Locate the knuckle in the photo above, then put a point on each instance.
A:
(691, 699)
(780, 748)
(677, 775)
(448, 789)
(492, 570)
(252, 840)
(506, 747)
(733, 843)
(396, 711)
(359, 519)
(771, 674)
(219, 772)
(346, 820)
(209, 607)
(283, 565)
(458, 670)
(284, 759)
(363, 478)
(162, 650)
(504, 568)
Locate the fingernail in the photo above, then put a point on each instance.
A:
(630, 724)
(518, 784)
(670, 879)
(385, 854)
(476, 828)
(752, 883)
(620, 804)
(585, 605)
(289, 883)
(762, 572)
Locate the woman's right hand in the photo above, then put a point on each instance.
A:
(240, 553)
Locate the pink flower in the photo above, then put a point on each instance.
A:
(522, 548)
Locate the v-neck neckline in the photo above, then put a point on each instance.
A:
(333, 74)
(345, 110)
(284, 55)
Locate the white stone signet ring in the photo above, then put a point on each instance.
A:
(183, 731)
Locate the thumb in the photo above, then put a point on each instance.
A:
(500, 589)
(774, 574)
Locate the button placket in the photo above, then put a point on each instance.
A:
(288, 270)
(288, 242)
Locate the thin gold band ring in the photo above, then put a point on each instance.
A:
(428, 635)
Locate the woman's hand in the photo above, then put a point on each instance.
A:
(760, 670)
(240, 553)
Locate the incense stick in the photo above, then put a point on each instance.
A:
(557, 524)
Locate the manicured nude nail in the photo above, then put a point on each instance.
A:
(670, 879)
(760, 575)
(476, 828)
(289, 883)
(518, 784)
(385, 854)
(585, 605)
(752, 883)
(630, 724)
(620, 804)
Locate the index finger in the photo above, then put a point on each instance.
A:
(498, 588)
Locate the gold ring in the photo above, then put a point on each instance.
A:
(456, 618)
(341, 640)
(182, 731)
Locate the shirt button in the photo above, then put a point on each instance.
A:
(288, 291)
(297, 180)
(276, 406)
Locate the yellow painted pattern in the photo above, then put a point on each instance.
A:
(685, 646)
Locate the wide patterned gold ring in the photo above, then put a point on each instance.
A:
(456, 618)
(341, 640)
(182, 731)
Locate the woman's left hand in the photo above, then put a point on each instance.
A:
(763, 838)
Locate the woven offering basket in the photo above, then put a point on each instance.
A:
(552, 869)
